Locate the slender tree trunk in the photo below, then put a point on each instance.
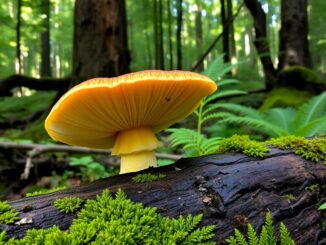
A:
(199, 33)
(226, 28)
(233, 51)
(261, 42)
(18, 51)
(100, 39)
(170, 34)
(45, 40)
(179, 28)
(294, 34)
(160, 29)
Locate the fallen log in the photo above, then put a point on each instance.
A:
(230, 190)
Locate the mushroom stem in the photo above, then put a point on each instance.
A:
(136, 147)
(137, 161)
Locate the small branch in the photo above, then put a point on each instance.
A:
(38, 149)
(45, 84)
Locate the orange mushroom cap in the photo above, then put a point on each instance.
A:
(92, 113)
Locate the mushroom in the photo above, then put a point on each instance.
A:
(125, 112)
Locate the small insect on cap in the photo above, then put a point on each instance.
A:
(124, 112)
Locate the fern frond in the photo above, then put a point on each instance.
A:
(241, 240)
(243, 110)
(252, 236)
(285, 236)
(223, 93)
(227, 82)
(182, 136)
(311, 110)
(270, 229)
(259, 125)
(212, 70)
(282, 117)
(217, 115)
(312, 128)
(210, 146)
(212, 107)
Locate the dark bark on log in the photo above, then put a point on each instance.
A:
(240, 189)
(43, 84)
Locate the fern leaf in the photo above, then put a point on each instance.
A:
(312, 128)
(311, 110)
(210, 146)
(231, 240)
(270, 229)
(217, 115)
(241, 240)
(243, 110)
(212, 107)
(263, 239)
(212, 70)
(259, 125)
(285, 236)
(227, 82)
(252, 236)
(221, 94)
(282, 117)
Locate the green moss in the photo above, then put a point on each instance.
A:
(310, 149)
(68, 204)
(243, 144)
(7, 214)
(143, 178)
(45, 191)
(285, 97)
(289, 197)
(312, 188)
(109, 220)
(323, 226)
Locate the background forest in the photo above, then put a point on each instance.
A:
(268, 58)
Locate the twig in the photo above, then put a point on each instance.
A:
(38, 149)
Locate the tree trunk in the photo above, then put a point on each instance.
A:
(226, 28)
(170, 34)
(230, 190)
(179, 28)
(100, 39)
(233, 50)
(45, 40)
(261, 42)
(294, 48)
(199, 33)
(18, 62)
(160, 31)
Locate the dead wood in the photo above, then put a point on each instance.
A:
(230, 190)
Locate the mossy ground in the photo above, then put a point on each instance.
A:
(7, 214)
(68, 204)
(143, 178)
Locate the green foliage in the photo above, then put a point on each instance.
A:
(310, 149)
(195, 143)
(22, 107)
(285, 97)
(68, 204)
(323, 206)
(312, 188)
(309, 120)
(143, 178)
(45, 191)
(266, 237)
(118, 220)
(243, 144)
(91, 170)
(7, 214)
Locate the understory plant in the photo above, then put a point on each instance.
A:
(309, 120)
(193, 141)
(109, 220)
(266, 237)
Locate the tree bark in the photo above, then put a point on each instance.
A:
(160, 35)
(233, 50)
(100, 39)
(179, 28)
(294, 48)
(170, 34)
(230, 190)
(199, 33)
(18, 62)
(261, 42)
(226, 29)
(45, 40)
